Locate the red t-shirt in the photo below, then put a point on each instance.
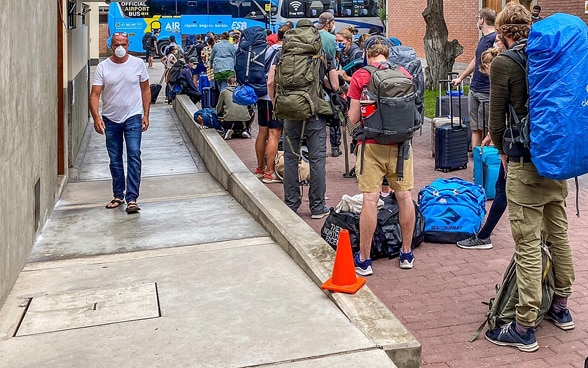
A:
(359, 79)
(272, 39)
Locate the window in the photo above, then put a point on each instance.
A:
(340, 8)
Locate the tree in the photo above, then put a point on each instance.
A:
(440, 53)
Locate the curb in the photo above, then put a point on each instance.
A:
(312, 254)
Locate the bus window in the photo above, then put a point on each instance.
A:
(340, 8)
(249, 9)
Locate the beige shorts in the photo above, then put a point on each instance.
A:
(380, 160)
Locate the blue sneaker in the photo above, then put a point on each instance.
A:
(507, 335)
(406, 260)
(363, 268)
(563, 319)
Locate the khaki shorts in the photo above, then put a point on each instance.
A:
(380, 160)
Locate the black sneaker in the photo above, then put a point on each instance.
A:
(563, 319)
(473, 242)
(507, 335)
(336, 152)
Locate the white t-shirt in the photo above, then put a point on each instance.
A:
(121, 92)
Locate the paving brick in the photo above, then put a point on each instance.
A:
(439, 301)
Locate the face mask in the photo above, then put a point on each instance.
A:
(193, 66)
(120, 52)
(340, 46)
(333, 29)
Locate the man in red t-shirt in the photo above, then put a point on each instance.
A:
(379, 161)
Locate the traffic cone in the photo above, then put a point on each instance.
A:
(343, 279)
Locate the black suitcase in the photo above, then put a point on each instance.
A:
(451, 140)
(459, 105)
(155, 89)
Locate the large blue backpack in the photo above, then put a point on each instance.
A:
(250, 59)
(556, 128)
(453, 209)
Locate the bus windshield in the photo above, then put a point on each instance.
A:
(339, 8)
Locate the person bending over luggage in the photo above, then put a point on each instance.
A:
(482, 240)
(187, 82)
(235, 119)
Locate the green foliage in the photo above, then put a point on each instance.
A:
(431, 97)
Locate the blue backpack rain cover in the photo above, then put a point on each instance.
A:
(250, 59)
(557, 50)
(207, 117)
(453, 209)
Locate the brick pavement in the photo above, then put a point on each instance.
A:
(439, 301)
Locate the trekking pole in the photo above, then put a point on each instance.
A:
(346, 174)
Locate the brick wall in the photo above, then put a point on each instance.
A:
(405, 21)
(407, 24)
(575, 7)
(103, 35)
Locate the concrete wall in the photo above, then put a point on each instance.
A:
(28, 129)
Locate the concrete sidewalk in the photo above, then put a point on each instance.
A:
(208, 274)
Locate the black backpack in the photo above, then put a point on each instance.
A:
(147, 41)
(174, 71)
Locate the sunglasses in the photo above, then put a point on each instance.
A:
(120, 34)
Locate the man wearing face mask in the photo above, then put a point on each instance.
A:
(123, 83)
(186, 80)
(480, 85)
(326, 27)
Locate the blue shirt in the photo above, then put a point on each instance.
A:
(480, 82)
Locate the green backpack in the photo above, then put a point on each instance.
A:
(299, 93)
(502, 308)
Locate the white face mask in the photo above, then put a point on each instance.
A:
(120, 52)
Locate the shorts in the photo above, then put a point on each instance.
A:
(380, 161)
(265, 115)
(478, 104)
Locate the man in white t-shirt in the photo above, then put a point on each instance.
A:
(123, 83)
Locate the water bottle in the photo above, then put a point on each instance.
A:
(368, 106)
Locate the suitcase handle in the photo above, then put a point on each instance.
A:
(459, 89)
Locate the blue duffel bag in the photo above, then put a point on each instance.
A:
(207, 117)
(453, 209)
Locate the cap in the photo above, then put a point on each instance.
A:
(323, 19)
(193, 60)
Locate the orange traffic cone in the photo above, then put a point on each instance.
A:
(344, 279)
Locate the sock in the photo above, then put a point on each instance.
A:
(521, 330)
(559, 303)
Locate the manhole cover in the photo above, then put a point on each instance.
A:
(86, 308)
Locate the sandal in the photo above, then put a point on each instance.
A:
(132, 207)
(114, 203)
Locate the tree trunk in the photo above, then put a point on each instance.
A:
(440, 53)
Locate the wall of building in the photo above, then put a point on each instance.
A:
(575, 7)
(28, 129)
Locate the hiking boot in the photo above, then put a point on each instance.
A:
(563, 319)
(507, 335)
(473, 242)
(269, 178)
(228, 134)
(363, 268)
(406, 260)
(323, 213)
(259, 173)
(245, 134)
(336, 151)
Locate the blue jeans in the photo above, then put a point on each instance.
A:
(498, 206)
(130, 132)
(221, 85)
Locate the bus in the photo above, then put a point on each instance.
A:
(186, 18)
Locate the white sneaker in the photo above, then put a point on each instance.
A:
(228, 134)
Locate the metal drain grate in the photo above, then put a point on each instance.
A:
(87, 308)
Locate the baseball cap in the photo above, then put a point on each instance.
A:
(323, 19)
(193, 60)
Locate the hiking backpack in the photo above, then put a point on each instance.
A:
(502, 307)
(406, 57)
(554, 131)
(297, 77)
(174, 71)
(147, 44)
(250, 60)
(453, 208)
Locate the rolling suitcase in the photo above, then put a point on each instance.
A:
(451, 140)
(486, 166)
(208, 98)
(203, 82)
(446, 119)
(155, 89)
